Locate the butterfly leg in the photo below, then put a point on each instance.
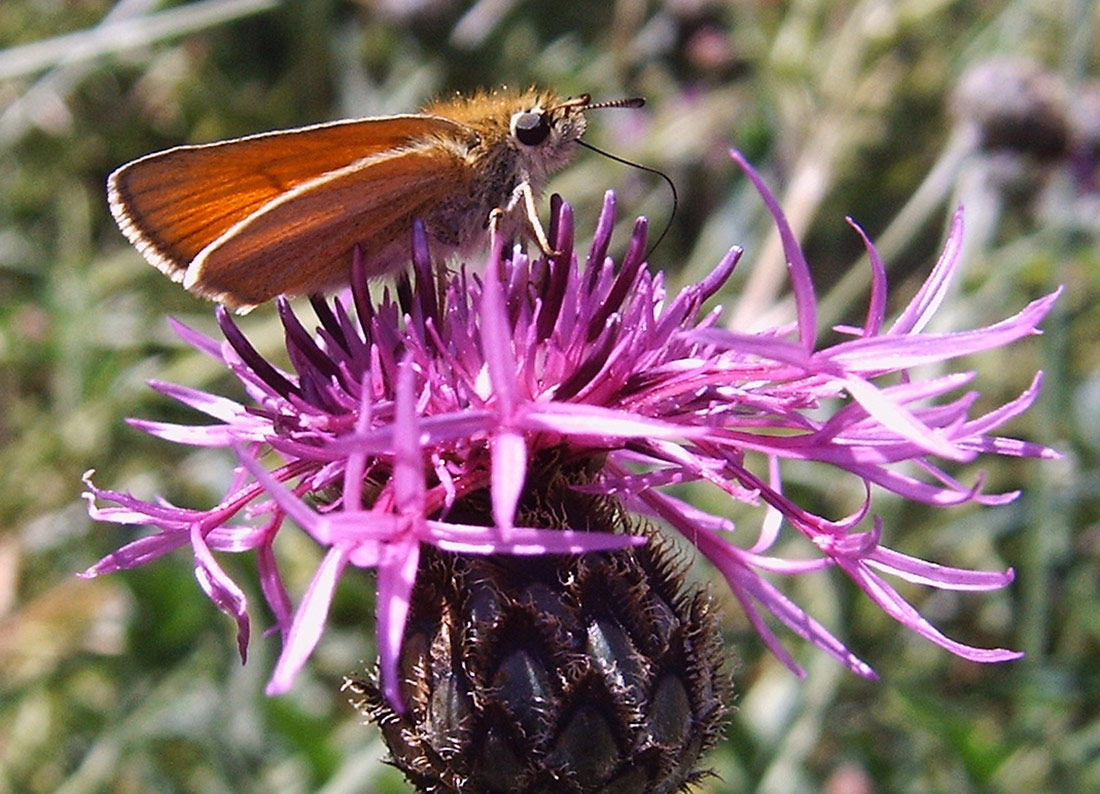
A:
(524, 193)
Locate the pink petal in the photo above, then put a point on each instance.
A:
(309, 621)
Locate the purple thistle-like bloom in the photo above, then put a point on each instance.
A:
(442, 393)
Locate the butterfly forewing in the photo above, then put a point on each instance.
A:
(318, 223)
(174, 204)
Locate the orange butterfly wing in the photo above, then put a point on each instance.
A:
(173, 204)
(302, 241)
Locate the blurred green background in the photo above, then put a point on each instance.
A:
(131, 683)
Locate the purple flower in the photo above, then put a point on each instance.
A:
(436, 394)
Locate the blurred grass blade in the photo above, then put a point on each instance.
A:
(118, 36)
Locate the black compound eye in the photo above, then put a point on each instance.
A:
(531, 127)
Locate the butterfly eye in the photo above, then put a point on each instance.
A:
(531, 127)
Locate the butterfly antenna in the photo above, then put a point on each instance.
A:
(626, 102)
(584, 102)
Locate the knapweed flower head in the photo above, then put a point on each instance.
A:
(395, 413)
